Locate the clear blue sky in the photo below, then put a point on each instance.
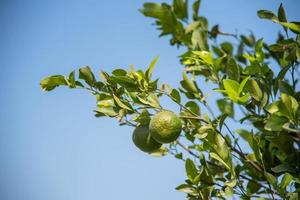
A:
(51, 146)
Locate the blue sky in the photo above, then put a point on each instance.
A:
(51, 146)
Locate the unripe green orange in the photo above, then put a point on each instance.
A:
(165, 127)
(143, 140)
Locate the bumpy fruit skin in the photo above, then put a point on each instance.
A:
(143, 140)
(165, 127)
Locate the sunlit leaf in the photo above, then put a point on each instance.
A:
(191, 170)
(87, 75)
(175, 96)
(275, 123)
(51, 82)
(148, 72)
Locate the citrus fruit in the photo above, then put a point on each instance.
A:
(143, 140)
(165, 127)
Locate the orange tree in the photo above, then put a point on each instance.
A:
(244, 75)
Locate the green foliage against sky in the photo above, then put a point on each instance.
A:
(244, 74)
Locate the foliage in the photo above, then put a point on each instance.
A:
(246, 77)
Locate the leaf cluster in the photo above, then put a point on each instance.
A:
(259, 87)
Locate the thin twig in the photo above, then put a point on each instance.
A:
(187, 149)
(193, 117)
(232, 135)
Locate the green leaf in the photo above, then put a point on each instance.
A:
(143, 100)
(181, 8)
(51, 82)
(252, 69)
(205, 56)
(150, 100)
(175, 96)
(226, 107)
(271, 179)
(283, 72)
(249, 57)
(275, 123)
(120, 103)
(192, 26)
(186, 189)
(285, 181)
(188, 84)
(87, 75)
(253, 88)
(288, 106)
(222, 120)
(259, 45)
(139, 75)
(293, 26)
(148, 72)
(283, 168)
(196, 6)
(153, 85)
(286, 88)
(252, 140)
(243, 83)
(196, 180)
(105, 101)
(221, 148)
(231, 87)
(154, 10)
(153, 100)
(228, 191)
(281, 15)
(231, 183)
(233, 70)
(179, 156)
(143, 118)
(249, 41)
(276, 47)
(272, 108)
(119, 72)
(218, 158)
(243, 133)
(71, 81)
(193, 106)
(165, 19)
(99, 85)
(125, 82)
(252, 187)
(227, 48)
(191, 170)
(104, 76)
(266, 14)
(292, 196)
(199, 39)
(214, 33)
(259, 54)
(106, 111)
(244, 99)
(203, 131)
(79, 84)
